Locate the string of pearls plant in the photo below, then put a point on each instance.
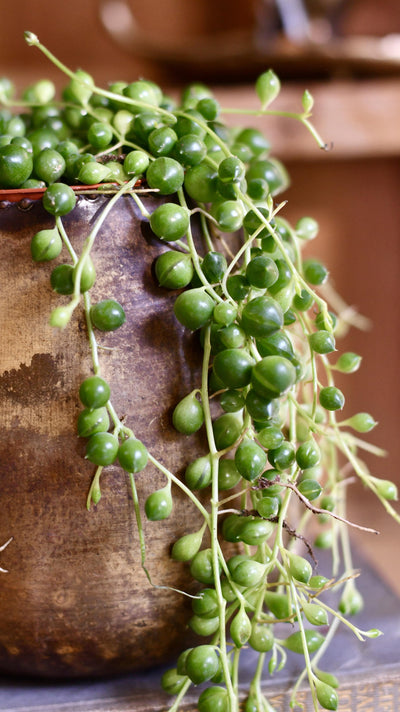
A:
(279, 453)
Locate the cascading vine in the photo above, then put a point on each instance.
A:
(280, 459)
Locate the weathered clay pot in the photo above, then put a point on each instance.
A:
(75, 600)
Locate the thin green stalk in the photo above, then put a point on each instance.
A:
(318, 655)
(140, 204)
(33, 40)
(302, 118)
(94, 494)
(307, 330)
(181, 486)
(237, 257)
(298, 278)
(91, 334)
(363, 474)
(66, 240)
(110, 149)
(204, 125)
(206, 232)
(142, 543)
(278, 544)
(357, 632)
(255, 685)
(215, 548)
(195, 257)
(91, 238)
(333, 481)
(139, 525)
(235, 674)
(180, 696)
(120, 427)
(354, 441)
(305, 648)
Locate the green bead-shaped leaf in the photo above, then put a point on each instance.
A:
(278, 604)
(267, 87)
(261, 638)
(327, 677)
(299, 567)
(206, 603)
(348, 362)
(213, 699)
(172, 682)
(240, 628)
(198, 473)
(361, 422)
(158, 505)
(187, 546)
(315, 614)
(327, 695)
(313, 639)
(46, 245)
(188, 415)
(204, 626)
(201, 663)
(386, 489)
(307, 101)
(351, 601)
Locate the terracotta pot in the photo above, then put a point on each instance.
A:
(75, 600)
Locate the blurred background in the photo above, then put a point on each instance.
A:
(227, 40)
(347, 52)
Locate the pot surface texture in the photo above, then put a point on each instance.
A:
(75, 600)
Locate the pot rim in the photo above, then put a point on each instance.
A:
(15, 195)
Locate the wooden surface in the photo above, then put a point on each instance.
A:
(376, 691)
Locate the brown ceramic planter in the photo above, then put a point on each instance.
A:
(75, 600)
